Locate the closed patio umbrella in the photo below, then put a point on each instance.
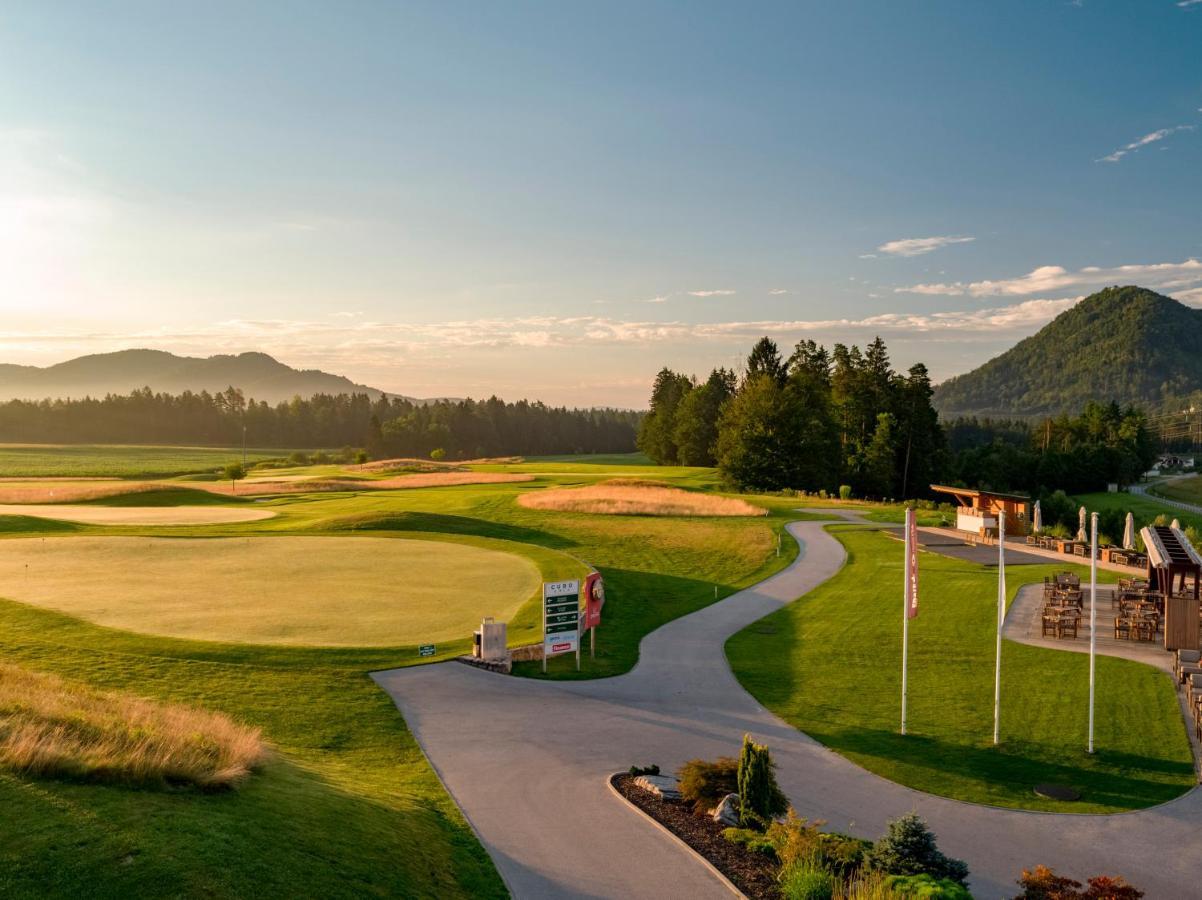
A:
(1176, 523)
(1037, 517)
(1129, 533)
(1081, 526)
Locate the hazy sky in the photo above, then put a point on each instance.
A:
(554, 199)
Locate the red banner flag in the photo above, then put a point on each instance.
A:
(912, 564)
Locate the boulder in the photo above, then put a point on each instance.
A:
(662, 786)
(726, 813)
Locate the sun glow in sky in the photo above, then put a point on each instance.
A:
(554, 200)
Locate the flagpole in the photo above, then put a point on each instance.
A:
(1001, 618)
(1093, 615)
(906, 615)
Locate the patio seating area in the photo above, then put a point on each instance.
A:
(1188, 671)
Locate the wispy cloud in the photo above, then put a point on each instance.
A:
(1151, 138)
(1055, 278)
(715, 293)
(918, 246)
(776, 292)
(1186, 4)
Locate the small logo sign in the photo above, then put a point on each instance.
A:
(426, 650)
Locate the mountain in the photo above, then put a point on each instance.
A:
(1124, 344)
(256, 374)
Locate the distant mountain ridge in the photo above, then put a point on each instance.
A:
(1128, 344)
(257, 375)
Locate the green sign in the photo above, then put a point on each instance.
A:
(425, 650)
(561, 617)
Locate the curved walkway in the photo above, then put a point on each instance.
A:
(527, 763)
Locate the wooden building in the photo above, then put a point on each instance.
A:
(1171, 557)
(977, 511)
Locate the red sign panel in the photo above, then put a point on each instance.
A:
(594, 599)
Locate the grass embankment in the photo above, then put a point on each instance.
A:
(345, 807)
(1185, 490)
(51, 727)
(830, 665)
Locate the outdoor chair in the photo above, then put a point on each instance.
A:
(1193, 687)
(1049, 623)
(1122, 628)
(1067, 627)
(1188, 662)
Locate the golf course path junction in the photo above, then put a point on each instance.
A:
(528, 762)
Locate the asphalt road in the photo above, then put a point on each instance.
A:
(527, 762)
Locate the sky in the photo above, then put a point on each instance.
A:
(554, 200)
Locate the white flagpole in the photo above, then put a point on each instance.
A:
(1093, 615)
(906, 588)
(1001, 618)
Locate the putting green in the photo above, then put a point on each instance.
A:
(330, 591)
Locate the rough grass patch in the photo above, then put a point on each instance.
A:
(53, 728)
(633, 497)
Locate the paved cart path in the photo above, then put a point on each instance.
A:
(527, 762)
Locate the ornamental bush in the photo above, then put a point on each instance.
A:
(704, 783)
(760, 798)
(845, 492)
(908, 848)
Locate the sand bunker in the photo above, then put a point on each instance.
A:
(138, 515)
(628, 497)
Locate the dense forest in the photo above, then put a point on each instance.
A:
(384, 427)
(820, 420)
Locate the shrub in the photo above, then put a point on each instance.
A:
(54, 728)
(845, 492)
(298, 459)
(361, 457)
(795, 839)
(842, 853)
(636, 771)
(704, 784)
(926, 886)
(752, 840)
(760, 798)
(438, 453)
(1045, 884)
(908, 848)
(803, 881)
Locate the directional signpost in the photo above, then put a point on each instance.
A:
(561, 619)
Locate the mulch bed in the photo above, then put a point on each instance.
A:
(752, 873)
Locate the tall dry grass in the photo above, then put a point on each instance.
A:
(61, 490)
(51, 727)
(397, 482)
(631, 497)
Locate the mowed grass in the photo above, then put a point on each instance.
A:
(314, 590)
(346, 806)
(830, 665)
(1186, 490)
(52, 727)
(116, 461)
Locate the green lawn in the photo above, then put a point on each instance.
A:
(830, 665)
(347, 806)
(1187, 490)
(87, 460)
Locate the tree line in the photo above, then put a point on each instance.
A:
(385, 427)
(1105, 444)
(817, 420)
(813, 421)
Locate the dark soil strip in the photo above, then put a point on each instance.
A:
(752, 873)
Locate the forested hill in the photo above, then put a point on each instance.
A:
(255, 374)
(1127, 345)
